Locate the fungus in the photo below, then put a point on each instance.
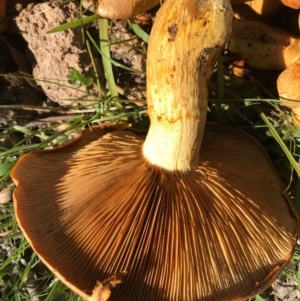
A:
(263, 46)
(259, 10)
(183, 223)
(292, 3)
(288, 86)
(121, 9)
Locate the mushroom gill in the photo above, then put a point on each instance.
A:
(184, 223)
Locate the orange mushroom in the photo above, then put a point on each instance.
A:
(121, 9)
(288, 86)
(258, 10)
(292, 3)
(263, 46)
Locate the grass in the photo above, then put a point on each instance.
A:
(241, 103)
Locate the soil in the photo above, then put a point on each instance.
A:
(53, 55)
(28, 48)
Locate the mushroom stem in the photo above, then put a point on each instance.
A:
(182, 56)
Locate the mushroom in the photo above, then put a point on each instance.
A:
(263, 46)
(121, 9)
(288, 86)
(292, 3)
(184, 223)
(259, 10)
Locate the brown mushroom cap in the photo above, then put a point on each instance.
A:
(121, 9)
(263, 46)
(204, 224)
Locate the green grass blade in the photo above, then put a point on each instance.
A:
(105, 49)
(221, 84)
(21, 249)
(297, 207)
(6, 167)
(74, 23)
(99, 85)
(111, 60)
(283, 146)
(32, 263)
(298, 276)
(138, 30)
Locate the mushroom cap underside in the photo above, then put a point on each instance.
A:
(95, 207)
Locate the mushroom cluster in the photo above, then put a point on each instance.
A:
(263, 46)
(266, 47)
(191, 212)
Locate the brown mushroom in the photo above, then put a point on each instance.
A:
(292, 3)
(263, 46)
(121, 9)
(258, 10)
(185, 224)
